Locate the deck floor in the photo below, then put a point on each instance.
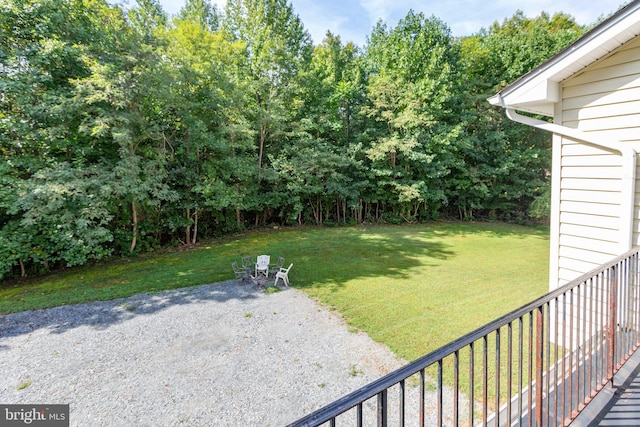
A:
(617, 406)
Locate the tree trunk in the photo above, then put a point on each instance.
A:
(347, 126)
(188, 231)
(261, 141)
(195, 227)
(314, 209)
(263, 137)
(344, 211)
(23, 273)
(134, 238)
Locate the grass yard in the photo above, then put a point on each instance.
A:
(416, 288)
(411, 287)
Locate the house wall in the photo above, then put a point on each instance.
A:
(589, 226)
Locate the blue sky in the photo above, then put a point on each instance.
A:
(353, 19)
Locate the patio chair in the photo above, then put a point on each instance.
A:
(248, 262)
(262, 265)
(284, 275)
(274, 268)
(240, 273)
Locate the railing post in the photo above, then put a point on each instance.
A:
(382, 408)
(611, 332)
(539, 363)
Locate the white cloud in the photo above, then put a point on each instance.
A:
(378, 9)
(318, 28)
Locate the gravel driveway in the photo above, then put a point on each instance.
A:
(212, 355)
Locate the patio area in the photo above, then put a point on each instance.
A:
(262, 271)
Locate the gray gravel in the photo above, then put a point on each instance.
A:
(212, 355)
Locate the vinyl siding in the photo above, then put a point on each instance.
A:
(604, 100)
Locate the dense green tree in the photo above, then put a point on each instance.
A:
(50, 194)
(506, 165)
(125, 130)
(211, 160)
(201, 12)
(278, 47)
(327, 125)
(414, 69)
(121, 105)
(66, 214)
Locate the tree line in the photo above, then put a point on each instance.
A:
(123, 130)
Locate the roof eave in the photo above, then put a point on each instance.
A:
(539, 90)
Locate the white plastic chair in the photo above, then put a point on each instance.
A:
(284, 275)
(262, 265)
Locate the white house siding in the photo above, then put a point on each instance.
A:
(603, 100)
(636, 211)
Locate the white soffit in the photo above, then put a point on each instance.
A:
(539, 90)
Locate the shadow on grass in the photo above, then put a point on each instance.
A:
(103, 314)
(331, 261)
(389, 251)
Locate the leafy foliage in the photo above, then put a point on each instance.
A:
(411, 92)
(125, 130)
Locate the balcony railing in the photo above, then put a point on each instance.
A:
(536, 366)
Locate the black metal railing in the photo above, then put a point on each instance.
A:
(536, 366)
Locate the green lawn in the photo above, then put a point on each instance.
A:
(411, 287)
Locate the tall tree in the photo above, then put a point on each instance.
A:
(211, 163)
(327, 117)
(46, 157)
(411, 87)
(201, 12)
(121, 103)
(278, 47)
(505, 165)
